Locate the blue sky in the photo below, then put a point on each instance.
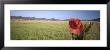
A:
(58, 14)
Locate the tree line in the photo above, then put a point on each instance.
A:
(33, 18)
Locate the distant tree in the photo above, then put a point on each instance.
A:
(53, 19)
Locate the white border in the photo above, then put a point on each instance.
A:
(56, 43)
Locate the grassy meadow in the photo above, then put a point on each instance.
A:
(49, 30)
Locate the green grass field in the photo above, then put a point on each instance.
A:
(48, 30)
